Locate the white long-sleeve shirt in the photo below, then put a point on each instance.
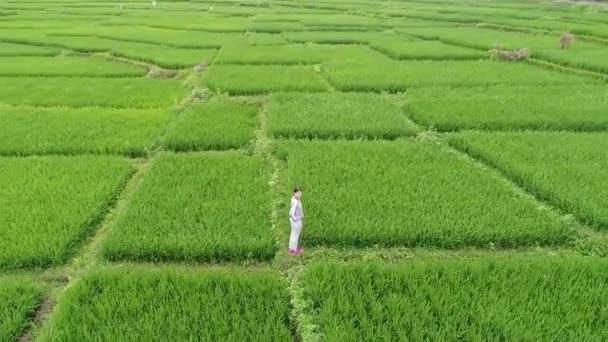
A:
(296, 213)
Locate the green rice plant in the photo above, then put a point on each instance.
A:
(407, 193)
(217, 125)
(580, 108)
(18, 301)
(250, 79)
(66, 66)
(11, 49)
(518, 298)
(354, 75)
(275, 26)
(48, 204)
(585, 55)
(254, 38)
(197, 207)
(62, 130)
(336, 115)
(219, 305)
(400, 49)
(164, 56)
(71, 42)
(90, 91)
(565, 169)
(334, 37)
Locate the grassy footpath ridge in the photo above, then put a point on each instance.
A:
(566, 169)
(18, 300)
(197, 207)
(49, 204)
(460, 299)
(131, 304)
(408, 193)
(64, 130)
(559, 107)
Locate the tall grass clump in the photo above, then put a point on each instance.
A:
(135, 304)
(90, 91)
(215, 125)
(250, 79)
(67, 66)
(565, 169)
(197, 207)
(535, 298)
(18, 301)
(409, 194)
(50, 203)
(561, 107)
(337, 115)
(63, 130)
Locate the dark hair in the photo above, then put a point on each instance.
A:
(297, 189)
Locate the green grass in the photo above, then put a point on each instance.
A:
(62, 130)
(565, 169)
(217, 125)
(353, 75)
(67, 66)
(408, 193)
(254, 38)
(11, 49)
(18, 301)
(164, 56)
(511, 107)
(425, 50)
(135, 304)
(250, 79)
(490, 299)
(197, 207)
(335, 37)
(336, 115)
(51, 203)
(90, 91)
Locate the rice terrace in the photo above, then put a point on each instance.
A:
(453, 156)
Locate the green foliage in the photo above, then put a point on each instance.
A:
(335, 115)
(354, 75)
(495, 298)
(335, 37)
(63, 130)
(566, 169)
(10, 49)
(197, 207)
(250, 79)
(403, 49)
(90, 91)
(409, 194)
(135, 304)
(511, 107)
(265, 39)
(48, 204)
(164, 56)
(218, 125)
(66, 66)
(18, 300)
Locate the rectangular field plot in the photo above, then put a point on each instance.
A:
(398, 76)
(197, 207)
(62, 130)
(67, 66)
(90, 91)
(409, 194)
(581, 108)
(163, 56)
(425, 50)
(565, 169)
(18, 300)
(217, 125)
(495, 298)
(335, 115)
(335, 37)
(10, 49)
(48, 204)
(137, 304)
(250, 79)
(254, 38)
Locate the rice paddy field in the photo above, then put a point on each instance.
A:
(149, 150)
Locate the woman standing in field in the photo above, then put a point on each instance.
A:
(296, 215)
